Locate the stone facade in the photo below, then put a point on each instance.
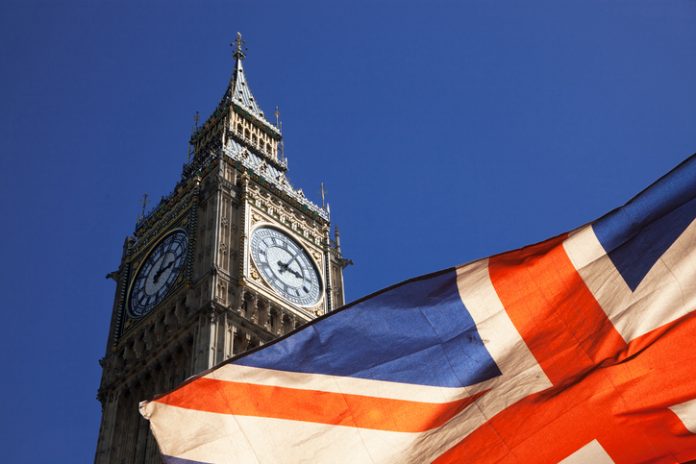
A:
(219, 304)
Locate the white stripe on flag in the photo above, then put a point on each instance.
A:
(225, 438)
(666, 293)
(686, 412)
(499, 335)
(590, 453)
(338, 384)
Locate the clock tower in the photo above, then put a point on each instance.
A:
(233, 257)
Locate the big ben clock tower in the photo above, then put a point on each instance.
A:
(234, 257)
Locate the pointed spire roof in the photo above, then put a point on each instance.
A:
(239, 98)
(248, 146)
(238, 91)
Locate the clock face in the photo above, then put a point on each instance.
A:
(158, 273)
(286, 266)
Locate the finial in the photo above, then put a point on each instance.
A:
(142, 213)
(238, 47)
(337, 238)
(194, 129)
(323, 195)
(277, 116)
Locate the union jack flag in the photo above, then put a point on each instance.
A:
(579, 349)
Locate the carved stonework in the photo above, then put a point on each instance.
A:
(220, 304)
(276, 210)
(221, 295)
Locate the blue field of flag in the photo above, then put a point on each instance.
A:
(418, 332)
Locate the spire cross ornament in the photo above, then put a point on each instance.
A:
(238, 46)
(277, 116)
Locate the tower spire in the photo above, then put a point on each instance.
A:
(240, 116)
(238, 47)
(238, 91)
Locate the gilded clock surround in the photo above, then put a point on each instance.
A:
(219, 305)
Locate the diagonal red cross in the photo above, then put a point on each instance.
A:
(603, 388)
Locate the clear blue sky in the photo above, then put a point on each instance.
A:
(445, 132)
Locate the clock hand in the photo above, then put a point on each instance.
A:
(161, 270)
(286, 267)
(295, 273)
(292, 260)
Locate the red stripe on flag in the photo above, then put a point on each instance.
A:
(554, 311)
(603, 388)
(246, 399)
